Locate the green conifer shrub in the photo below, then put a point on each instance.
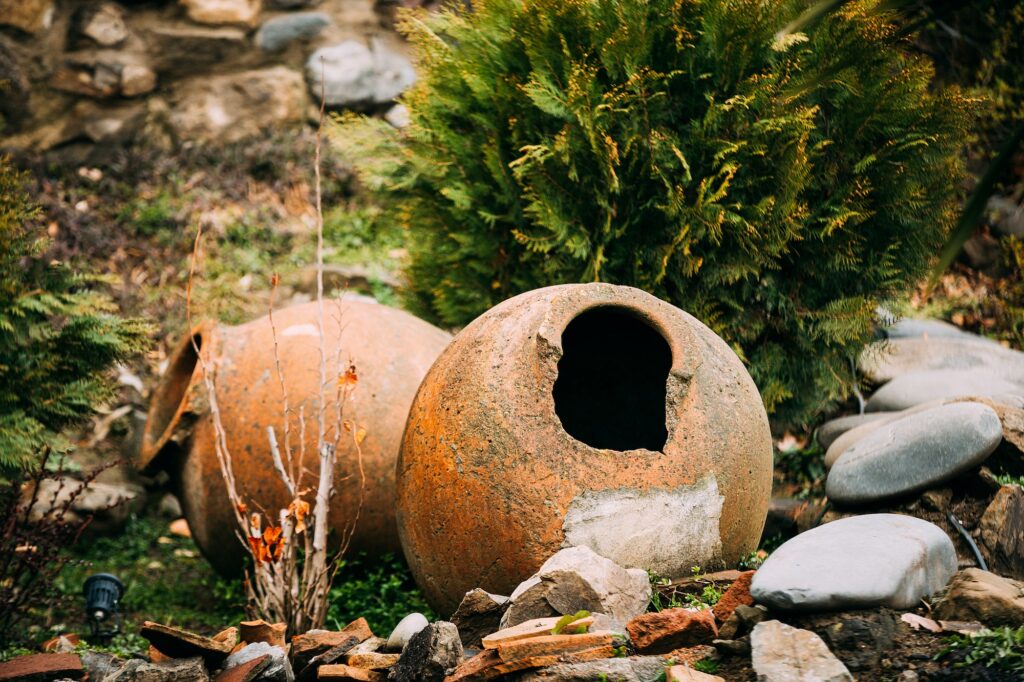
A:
(58, 338)
(776, 191)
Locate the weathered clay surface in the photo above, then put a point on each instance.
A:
(491, 484)
(391, 350)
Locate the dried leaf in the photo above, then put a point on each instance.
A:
(299, 510)
(360, 435)
(242, 508)
(349, 378)
(918, 622)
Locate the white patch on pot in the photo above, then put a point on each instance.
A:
(301, 330)
(664, 531)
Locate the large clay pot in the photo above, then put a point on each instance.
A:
(392, 351)
(586, 414)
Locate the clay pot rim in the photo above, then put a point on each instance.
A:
(185, 363)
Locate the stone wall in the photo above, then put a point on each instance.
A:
(178, 71)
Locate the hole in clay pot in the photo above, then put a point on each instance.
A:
(172, 389)
(610, 390)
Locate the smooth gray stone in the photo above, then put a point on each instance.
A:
(915, 452)
(275, 34)
(909, 328)
(887, 360)
(857, 562)
(916, 388)
(279, 669)
(354, 75)
(404, 631)
(833, 428)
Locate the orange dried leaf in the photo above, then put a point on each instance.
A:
(242, 508)
(360, 435)
(349, 378)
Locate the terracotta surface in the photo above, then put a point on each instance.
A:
(488, 475)
(391, 350)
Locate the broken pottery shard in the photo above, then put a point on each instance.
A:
(372, 661)
(178, 643)
(552, 644)
(738, 594)
(577, 579)
(538, 627)
(246, 672)
(430, 655)
(316, 642)
(340, 671)
(857, 562)
(252, 631)
(780, 653)
(479, 614)
(664, 631)
(42, 667)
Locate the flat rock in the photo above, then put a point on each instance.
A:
(42, 668)
(974, 594)
(682, 673)
(278, 33)
(915, 452)
(404, 631)
(909, 328)
(1002, 531)
(915, 388)
(834, 428)
(632, 669)
(886, 360)
(175, 670)
(780, 653)
(857, 562)
(575, 579)
(178, 643)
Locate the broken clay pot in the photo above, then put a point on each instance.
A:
(584, 414)
(391, 350)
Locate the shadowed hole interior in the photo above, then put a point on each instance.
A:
(172, 389)
(610, 390)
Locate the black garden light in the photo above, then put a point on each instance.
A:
(102, 594)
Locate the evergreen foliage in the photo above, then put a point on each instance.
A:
(777, 191)
(58, 336)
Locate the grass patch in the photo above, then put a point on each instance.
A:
(380, 589)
